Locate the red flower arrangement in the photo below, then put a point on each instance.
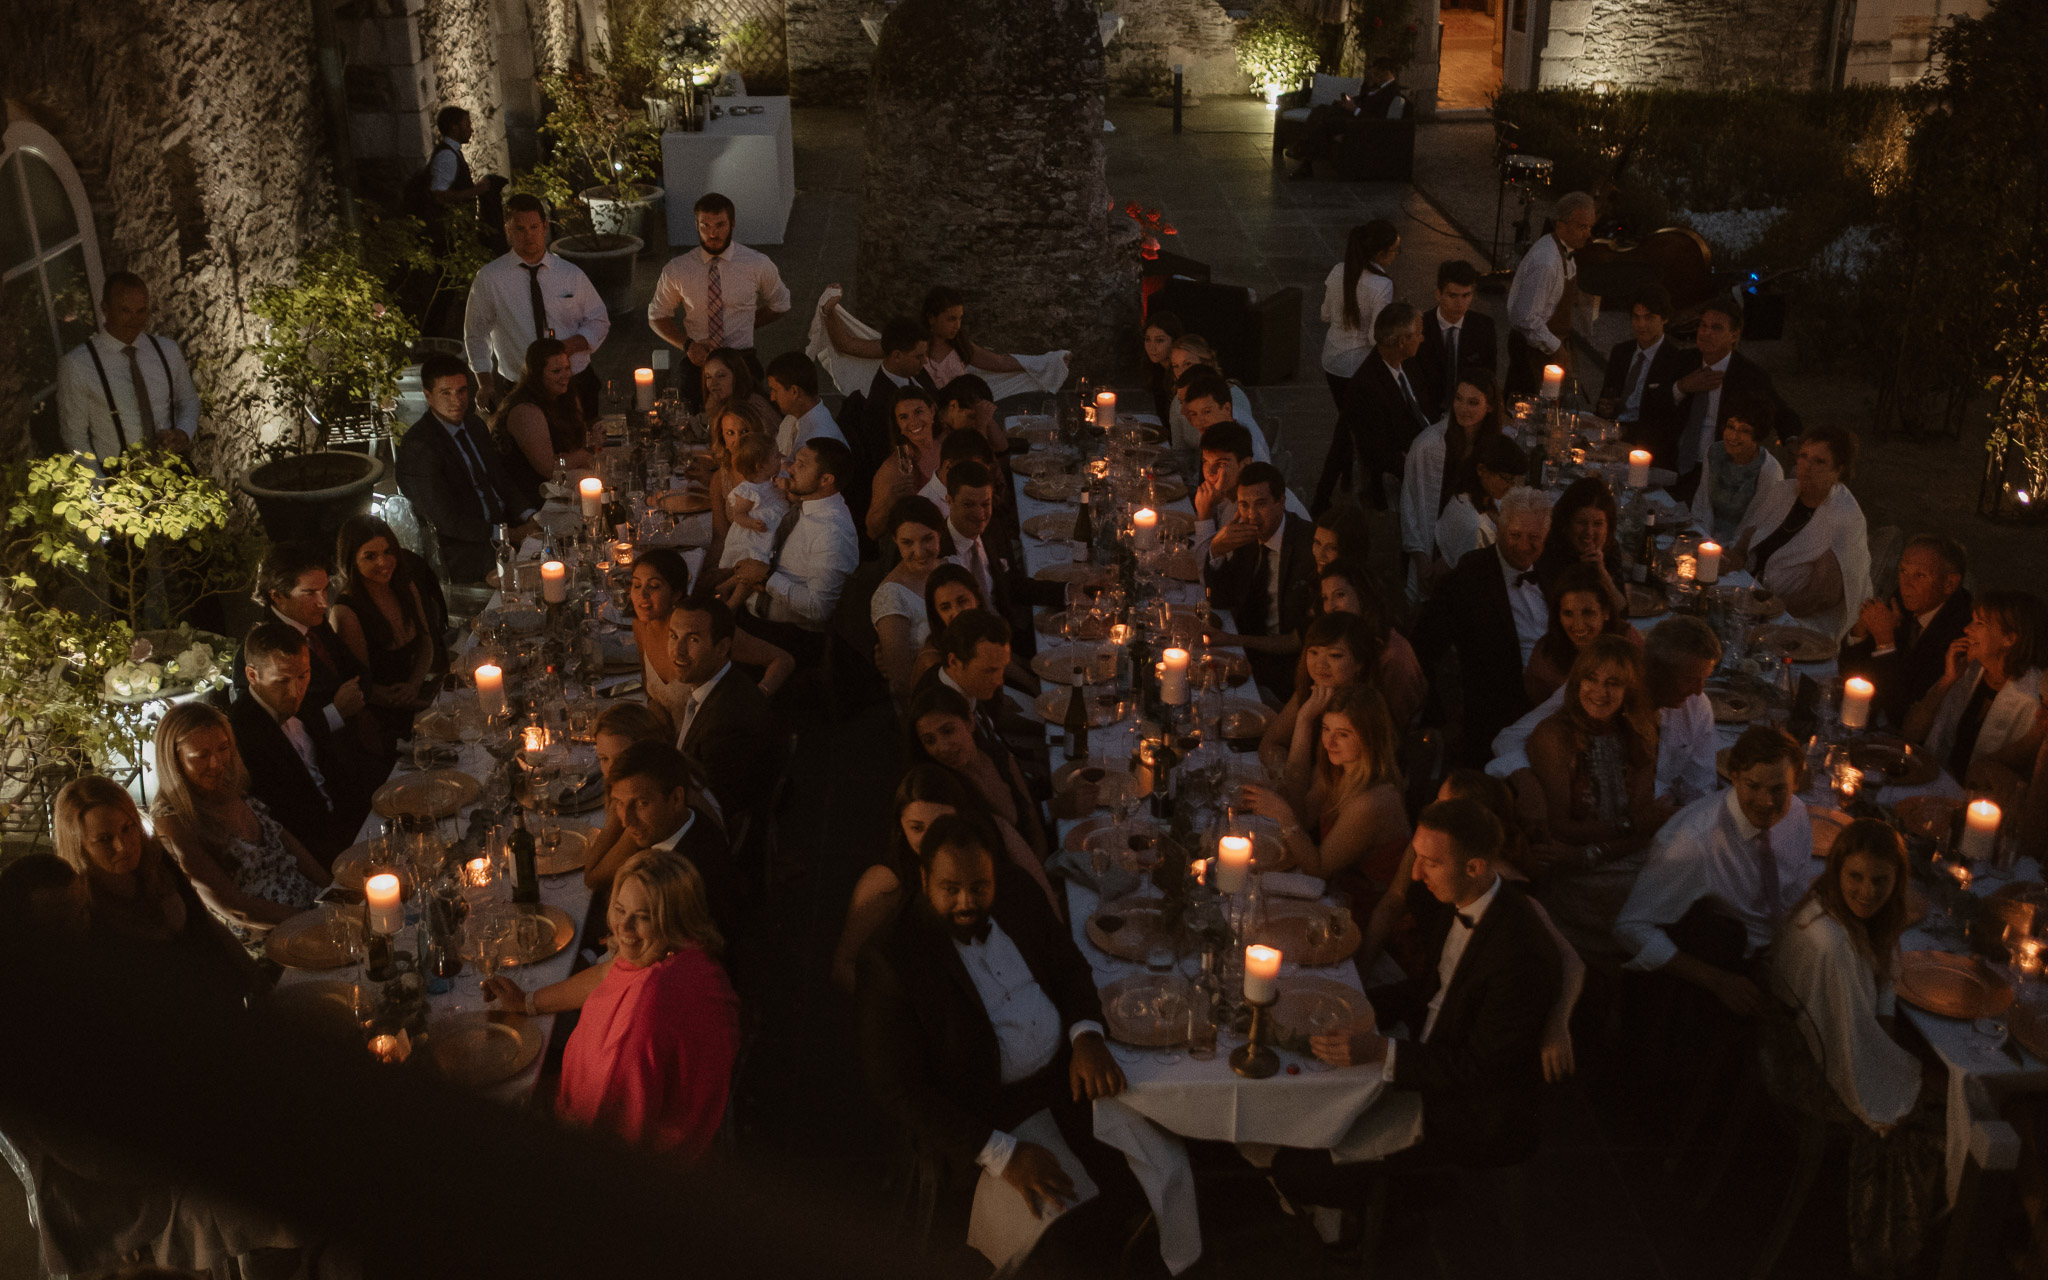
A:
(1152, 224)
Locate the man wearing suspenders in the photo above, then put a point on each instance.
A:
(124, 385)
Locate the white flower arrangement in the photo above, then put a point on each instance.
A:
(134, 679)
(195, 666)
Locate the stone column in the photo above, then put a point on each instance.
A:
(458, 38)
(985, 171)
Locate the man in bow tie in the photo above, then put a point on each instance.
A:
(1491, 610)
(1545, 290)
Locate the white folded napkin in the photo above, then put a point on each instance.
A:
(1291, 884)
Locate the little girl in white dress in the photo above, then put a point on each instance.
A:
(755, 506)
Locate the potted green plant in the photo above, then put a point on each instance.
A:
(684, 64)
(603, 150)
(1277, 49)
(335, 345)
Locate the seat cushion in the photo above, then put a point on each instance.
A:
(1326, 89)
(1295, 115)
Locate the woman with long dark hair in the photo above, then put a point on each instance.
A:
(1347, 588)
(898, 606)
(949, 352)
(1584, 529)
(1581, 611)
(1160, 330)
(1466, 522)
(1436, 466)
(390, 616)
(1353, 294)
(540, 428)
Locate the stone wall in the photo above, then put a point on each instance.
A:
(198, 134)
(1159, 33)
(463, 48)
(829, 52)
(1684, 43)
(392, 96)
(985, 171)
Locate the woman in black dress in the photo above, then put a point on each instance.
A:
(540, 428)
(384, 615)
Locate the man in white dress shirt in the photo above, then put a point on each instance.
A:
(1206, 401)
(526, 295)
(125, 385)
(1541, 298)
(817, 549)
(793, 386)
(724, 290)
(1722, 876)
(1678, 656)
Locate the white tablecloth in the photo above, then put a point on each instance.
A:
(749, 158)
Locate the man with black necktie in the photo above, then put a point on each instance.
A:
(292, 583)
(967, 540)
(1636, 391)
(1901, 645)
(1717, 376)
(1382, 411)
(530, 294)
(1471, 1051)
(1457, 342)
(974, 654)
(726, 725)
(1490, 608)
(455, 477)
(1262, 567)
(293, 764)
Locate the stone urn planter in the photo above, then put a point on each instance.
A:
(305, 498)
(616, 211)
(607, 258)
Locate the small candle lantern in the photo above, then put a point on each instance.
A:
(391, 1049)
(476, 873)
(1687, 568)
(2027, 957)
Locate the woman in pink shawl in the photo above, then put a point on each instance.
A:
(651, 1057)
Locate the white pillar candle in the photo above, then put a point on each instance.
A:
(1173, 682)
(387, 912)
(1638, 468)
(1553, 381)
(1856, 695)
(591, 489)
(1261, 974)
(1710, 560)
(643, 390)
(554, 582)
(1980, 828)
(1233, 860)
(1145, 528)
(490, 688)
(1105, 410)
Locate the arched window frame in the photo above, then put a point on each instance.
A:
(21, 135)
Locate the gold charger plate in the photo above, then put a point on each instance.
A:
(437, 793)
(1105, 706)
(1125, 843)
(1075, 841)
(1055, 488)
(302, 942)
(351, 867)
(1095, 769)
(1052, 622)
(1138, 921)
(1645, 602)
(1169, 489)
(567, 855)
(1952, 986)
(2028, 1024)
(1245, 719)
(478, 1049)
(1095, 662)
(1058, 526)
(1099, 575)
(1735, 706)
(1141, 1010)
(1289, 920)
(1302, 995)
(551, 944)
(1827, 824)
(1904, 764)
(1800, 644)
(1928, 816)
(1038, 432)
(1044, 462)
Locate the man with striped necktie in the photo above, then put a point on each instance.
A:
(724, 291)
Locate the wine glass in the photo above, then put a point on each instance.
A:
(1325, 1019)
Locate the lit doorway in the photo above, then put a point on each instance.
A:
(1471, 54)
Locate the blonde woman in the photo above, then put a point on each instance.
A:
(1352, 797)
(651, 1058)
(249, 871)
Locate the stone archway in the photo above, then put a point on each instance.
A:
(985, 171)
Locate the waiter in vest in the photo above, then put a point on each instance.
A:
(1546, 288)
(125, 385)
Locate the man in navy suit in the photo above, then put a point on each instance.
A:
(310, 786)
(1457, 342)
(1383, 408)
(1637, 390)
(1262, 567)
(455, 477)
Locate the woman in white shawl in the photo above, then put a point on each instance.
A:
(850, 350)
(1734, 469)
(1834, 964)
(1435, 466)
(1806, 539)
(1986, 708)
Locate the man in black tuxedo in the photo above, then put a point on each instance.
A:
(904, 346)
(292, 583)
(454, 476)
(1474, 1018)
(974, 653)
(1901, 645)
(1457, 342)
(1637, 388)
(1382, 409)
(1376, 99)
(969, 541)
(1490, 608)
(649, 789)
(977, 1012)
(294, 767)
(1262, 567)
(727, 726)
(1718, 376)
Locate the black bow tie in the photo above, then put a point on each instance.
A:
(1527, 579)
(1466, 920)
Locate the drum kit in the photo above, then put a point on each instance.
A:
(1527, 177)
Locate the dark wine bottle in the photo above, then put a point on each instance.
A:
(1077, 718)
(525, 879)
(1084, 532)
(1644, 569)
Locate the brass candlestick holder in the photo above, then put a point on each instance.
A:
(1252, 1059)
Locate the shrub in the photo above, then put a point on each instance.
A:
(1277, 46)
